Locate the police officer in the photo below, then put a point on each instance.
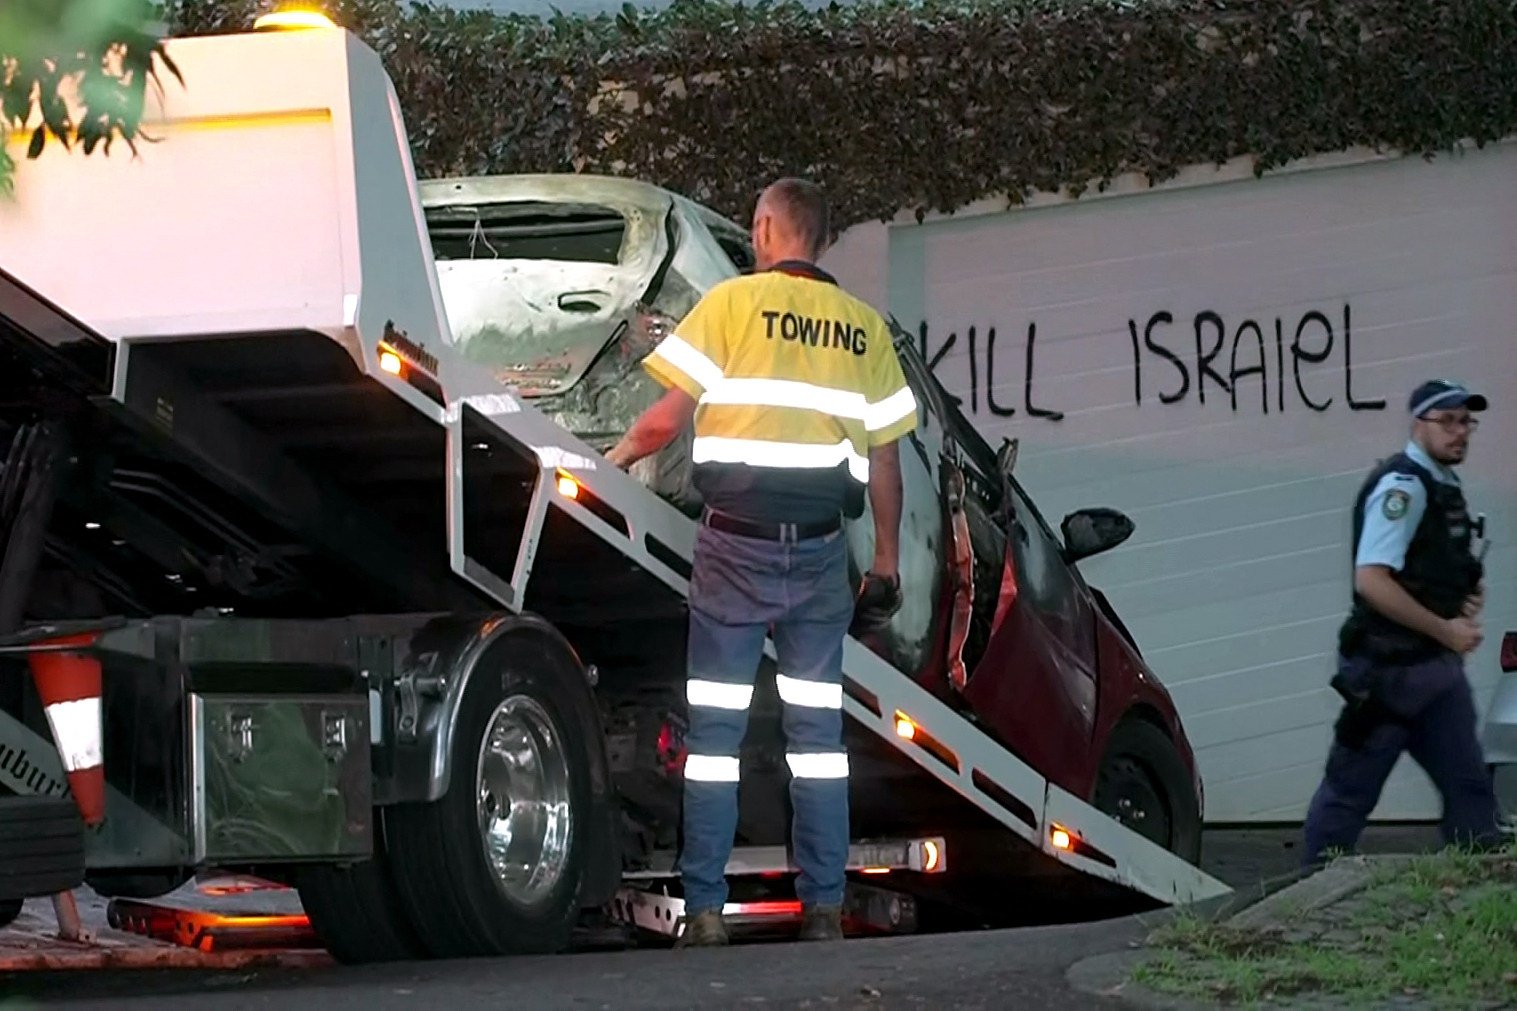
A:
(798, 400)
(1418, 592)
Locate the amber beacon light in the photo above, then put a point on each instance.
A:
(289, 19)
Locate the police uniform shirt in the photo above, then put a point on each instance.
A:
(1394, 509)
(795, 380)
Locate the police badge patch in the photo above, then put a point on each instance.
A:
(1395, 504)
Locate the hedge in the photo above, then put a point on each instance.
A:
(898, 106)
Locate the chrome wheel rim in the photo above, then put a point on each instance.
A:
(522, 800)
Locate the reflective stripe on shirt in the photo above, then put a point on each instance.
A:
(788, 372)
(765, 453)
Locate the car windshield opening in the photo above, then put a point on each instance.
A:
(527, 230)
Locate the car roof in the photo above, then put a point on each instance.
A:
(615, 191)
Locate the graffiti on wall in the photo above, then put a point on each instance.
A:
(1272, 365)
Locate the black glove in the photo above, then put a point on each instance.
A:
(879, 598)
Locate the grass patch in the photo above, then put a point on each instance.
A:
(1441, 928)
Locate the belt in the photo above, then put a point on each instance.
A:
(769, 531)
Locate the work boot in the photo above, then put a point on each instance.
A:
(822, 923)
(705, 929)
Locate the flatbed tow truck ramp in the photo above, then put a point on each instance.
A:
(374, 626)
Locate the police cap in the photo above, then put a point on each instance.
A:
(1440, 394)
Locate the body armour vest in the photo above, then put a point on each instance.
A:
(1439, 571)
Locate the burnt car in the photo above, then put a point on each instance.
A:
(562, 284)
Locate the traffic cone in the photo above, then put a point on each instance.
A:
(69, 686)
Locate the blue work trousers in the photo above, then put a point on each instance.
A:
(742, 589)
(1431, 715)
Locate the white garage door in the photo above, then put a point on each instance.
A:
(1228, 360)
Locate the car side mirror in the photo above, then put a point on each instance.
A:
(1091, 531)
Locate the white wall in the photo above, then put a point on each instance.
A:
(1238, 575)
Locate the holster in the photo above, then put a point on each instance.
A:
(1362, 714)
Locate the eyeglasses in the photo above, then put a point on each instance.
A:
(1452, 423)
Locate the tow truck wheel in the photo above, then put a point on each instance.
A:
(495, 866)
(357, 912)
(1144, 785)
(41, 846)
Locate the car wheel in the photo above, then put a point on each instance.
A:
(1143, 784)
(496, 865)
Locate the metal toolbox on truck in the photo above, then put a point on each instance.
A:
(279, 777)
(225, 740)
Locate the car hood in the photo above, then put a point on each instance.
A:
(540, 322)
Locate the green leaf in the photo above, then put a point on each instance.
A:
(39, 138)
(923, 105)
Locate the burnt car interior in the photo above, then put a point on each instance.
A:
(527, 230)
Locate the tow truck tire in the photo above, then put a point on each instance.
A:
(357, 912)
(1143, 783)
(530, 690)
(41, 847)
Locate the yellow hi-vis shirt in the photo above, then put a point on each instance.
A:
(794, 381)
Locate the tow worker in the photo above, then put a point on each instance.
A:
(798, 400)
(1418, 593)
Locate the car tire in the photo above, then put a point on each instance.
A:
(511, 733)
(357, 911)
(9, 910)
(1143, 783)
(41, 847)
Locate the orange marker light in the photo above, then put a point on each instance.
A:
(876, 870)
(933, 856)
(567, 486)
(904, 728)
(1060, 838)
(389, 361)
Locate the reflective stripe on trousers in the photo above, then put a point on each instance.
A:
(739, 587)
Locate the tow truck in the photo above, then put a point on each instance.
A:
(306, 595)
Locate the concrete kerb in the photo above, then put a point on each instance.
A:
(1260, 906)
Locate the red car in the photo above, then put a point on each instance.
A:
(1001, 625)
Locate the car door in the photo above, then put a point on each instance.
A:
(1036, 683)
